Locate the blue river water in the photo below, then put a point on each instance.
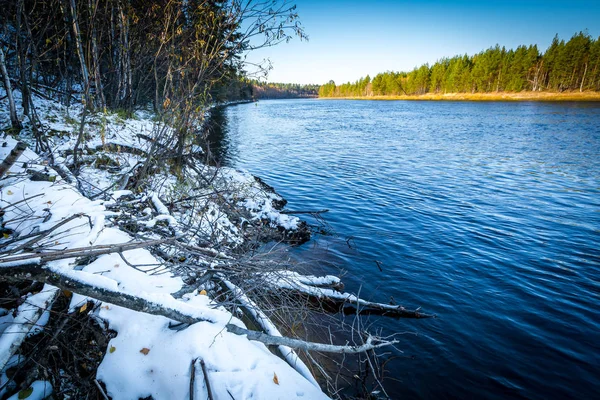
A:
(485, 214)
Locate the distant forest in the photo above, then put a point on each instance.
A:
(565, 66)
(264, 90)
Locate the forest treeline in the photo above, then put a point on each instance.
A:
(268, 90)
(177, 56)
(573, 65)
(120, 54)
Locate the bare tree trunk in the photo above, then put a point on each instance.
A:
(115, 88)
(14, 120)
(498, 82)
(126, 83)
(583, 79)
(79, 47)
(22, 57)
(95, 57)
(79, 136)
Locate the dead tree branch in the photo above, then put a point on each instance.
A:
(76, 282)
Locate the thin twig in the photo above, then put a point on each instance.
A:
(208, 389)
(100, 389)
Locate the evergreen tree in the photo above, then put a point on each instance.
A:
(574, 65)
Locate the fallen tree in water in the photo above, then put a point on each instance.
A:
(164, 255)
(79, 283)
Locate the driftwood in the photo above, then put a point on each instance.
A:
(146, 304)
(336, 301)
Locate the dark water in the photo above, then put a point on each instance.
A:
(486, 214)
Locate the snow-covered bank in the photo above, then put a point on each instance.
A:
(236, 365)
(161, 256)
(148, 356)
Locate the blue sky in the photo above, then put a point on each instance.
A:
(350, 39)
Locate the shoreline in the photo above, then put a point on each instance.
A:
(501, 96)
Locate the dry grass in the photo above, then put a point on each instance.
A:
(500, 96)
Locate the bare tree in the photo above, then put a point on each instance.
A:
(14, 119)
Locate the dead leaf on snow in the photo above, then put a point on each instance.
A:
(145, 351)
(275, 379)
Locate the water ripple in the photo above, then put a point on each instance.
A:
(487, 214)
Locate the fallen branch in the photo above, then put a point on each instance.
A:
(91, 251)
(21, 201)
(260, 319)
(76, 282)
(37, 236)
(302, 286)
(121, 148)
(208, 388)
(366, 307)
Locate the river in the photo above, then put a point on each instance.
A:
(485, 214)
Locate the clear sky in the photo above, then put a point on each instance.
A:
(349, 39)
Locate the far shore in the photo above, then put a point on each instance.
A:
(499, 96)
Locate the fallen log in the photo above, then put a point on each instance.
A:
(79, 282)
(315, 289)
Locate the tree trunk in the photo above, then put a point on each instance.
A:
(22, 59)
(12, 157)
(79, 47)
(126, 84)
(95, 57)
(14, 120)
(583, 79)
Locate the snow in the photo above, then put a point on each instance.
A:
(243, 368)
(160, 207)
(237, 367)
(288, 353)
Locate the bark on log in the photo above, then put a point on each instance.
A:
(12, 158)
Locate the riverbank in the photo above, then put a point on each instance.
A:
(151, 244)
(501, 96)
(121, 253)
